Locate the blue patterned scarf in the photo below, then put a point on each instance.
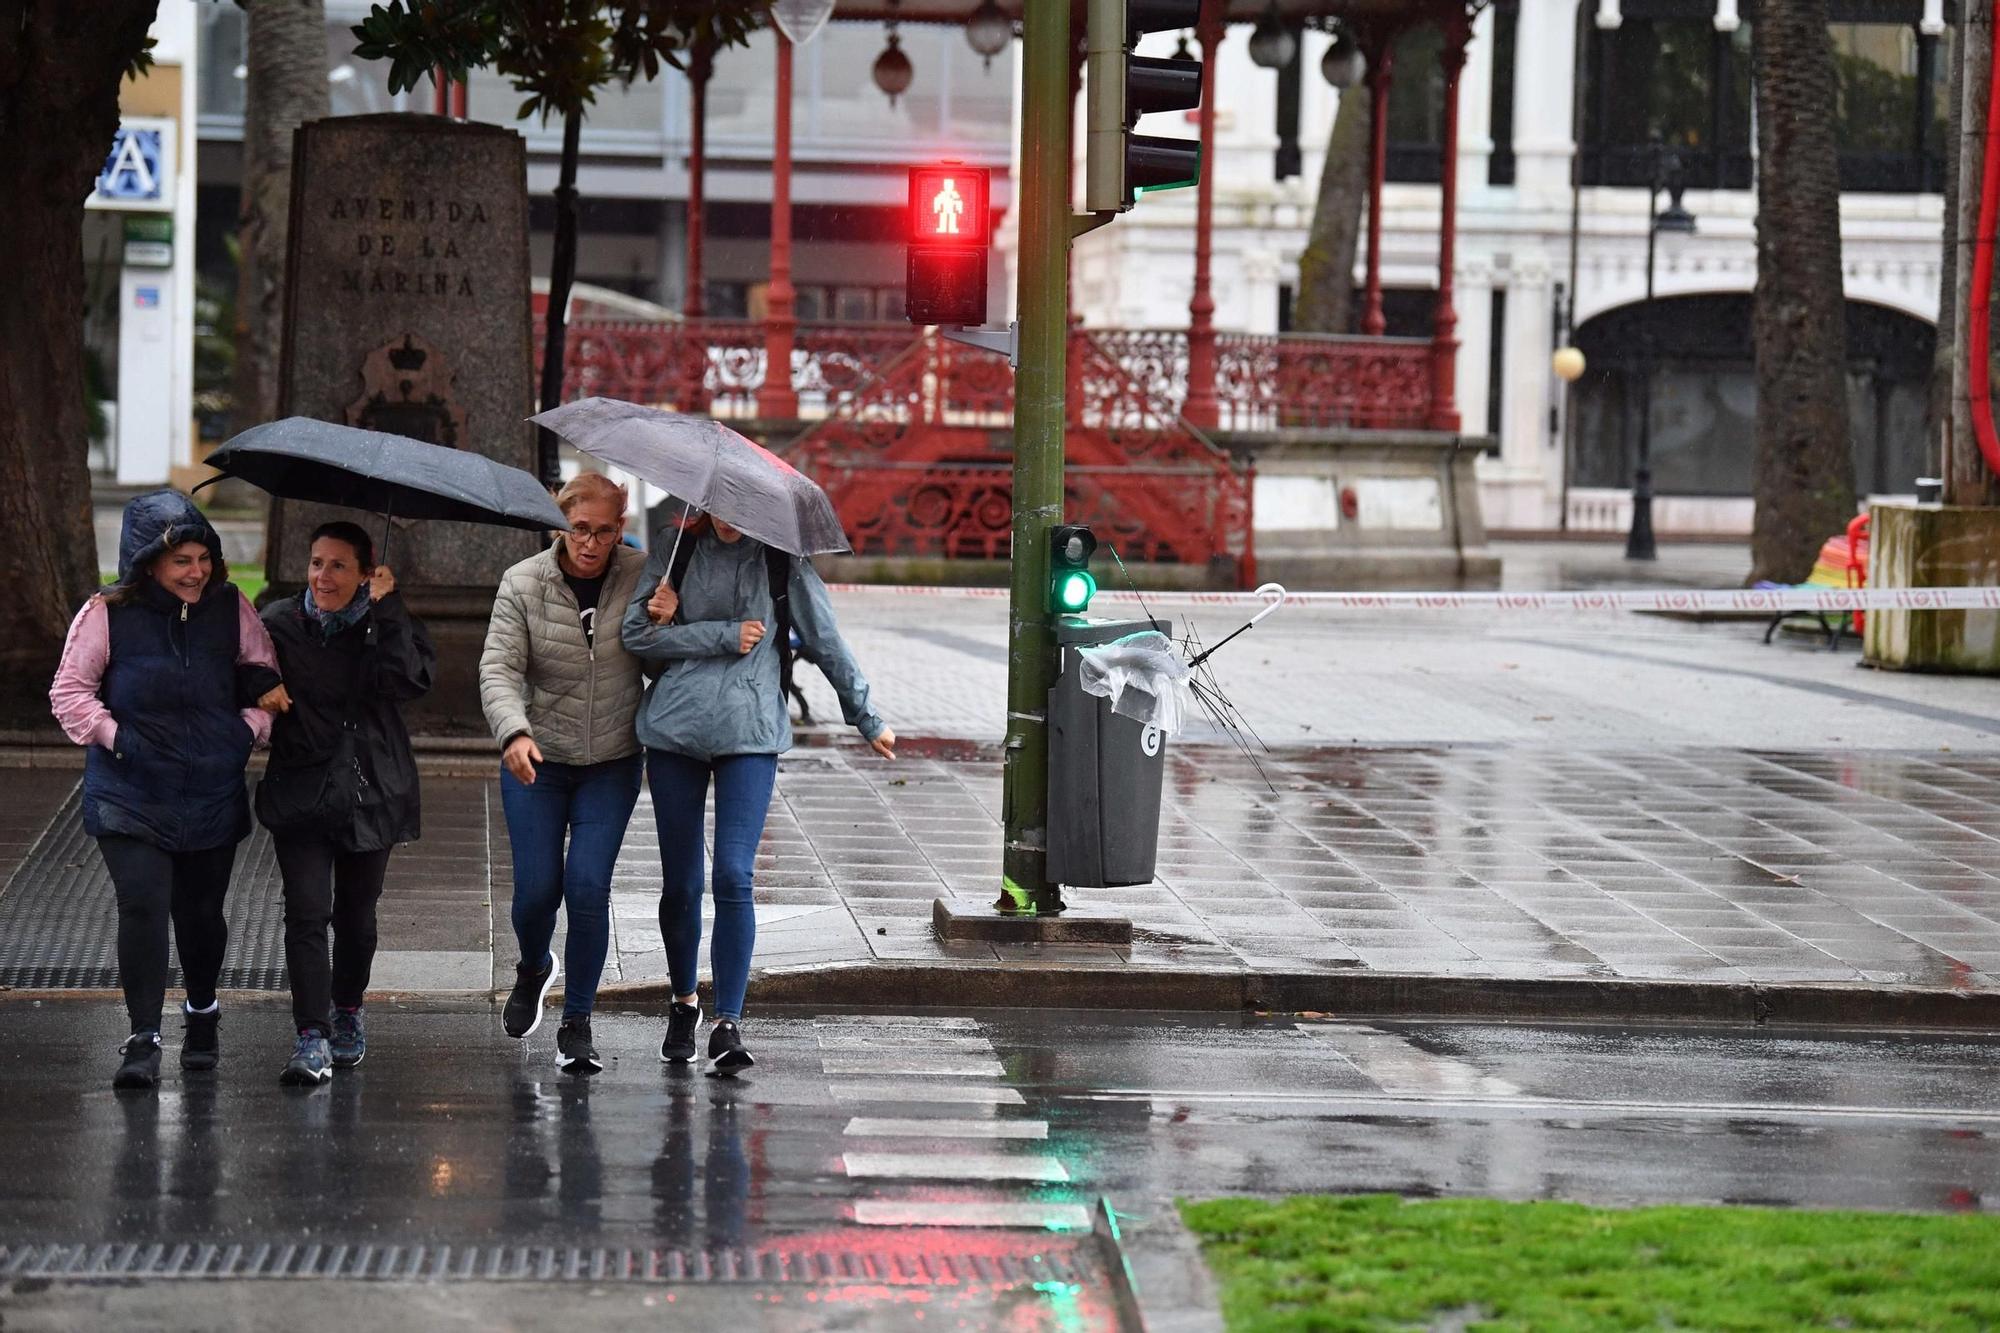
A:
(333, 622)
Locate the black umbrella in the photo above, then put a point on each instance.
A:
(302, 458)
(707, 466)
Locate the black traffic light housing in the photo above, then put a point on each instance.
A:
(1071, 584)
(950, 229)
(1123, 87)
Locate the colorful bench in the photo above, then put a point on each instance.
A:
(1842, 563)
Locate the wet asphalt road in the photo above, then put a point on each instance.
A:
(854, 1129)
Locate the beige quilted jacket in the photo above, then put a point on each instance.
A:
(539, 675)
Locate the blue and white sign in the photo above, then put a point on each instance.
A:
(139, 170)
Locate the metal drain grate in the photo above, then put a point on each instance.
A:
(527, 1263)
(59, 918)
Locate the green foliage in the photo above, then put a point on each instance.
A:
(215, 337)
(142, 59)
(556, 52)
(1378, 1262)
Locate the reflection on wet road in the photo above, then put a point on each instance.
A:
(954, 1136)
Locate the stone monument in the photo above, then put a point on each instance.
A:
(407, 310)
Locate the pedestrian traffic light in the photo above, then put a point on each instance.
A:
(949, 232)
(1070, 583)
(1123, 87)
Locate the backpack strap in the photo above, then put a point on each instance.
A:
(778, 566)
(677, 568)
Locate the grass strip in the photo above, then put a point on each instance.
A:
(1321, 1262)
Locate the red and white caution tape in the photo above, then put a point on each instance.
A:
(1769, 601)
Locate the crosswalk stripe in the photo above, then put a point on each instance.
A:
(912, 1062)
(947, 1094)
(911, 1213)
(914, 1041)
(881, 1127)
(927, 1022)
(953, 1166)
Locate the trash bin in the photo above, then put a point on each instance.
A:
(1105, 771)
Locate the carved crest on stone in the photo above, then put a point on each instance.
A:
(406, 389)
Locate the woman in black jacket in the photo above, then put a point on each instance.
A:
(341, 789)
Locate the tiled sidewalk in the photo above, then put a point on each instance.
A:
(1504, 863)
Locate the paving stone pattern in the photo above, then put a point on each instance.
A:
(1482, 861)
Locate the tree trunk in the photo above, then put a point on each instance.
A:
(1967, 480)
(1804, 477)
(286, 87)
(1937, 407)
(562, 274)
(1326, 267)
(60, 66)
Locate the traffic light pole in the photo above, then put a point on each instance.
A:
(1042, 306)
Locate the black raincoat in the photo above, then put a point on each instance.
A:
(357, 677)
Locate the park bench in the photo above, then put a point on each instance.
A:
(1842, 563)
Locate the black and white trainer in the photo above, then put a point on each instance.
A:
(523, 1013)
(201, 1047)
(726, 1052)
(574, 1053)
(139, 1062)
(683, 1026)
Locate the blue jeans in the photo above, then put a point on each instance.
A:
(743, 784)
(592, 804)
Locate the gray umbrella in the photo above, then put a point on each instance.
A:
(708, 467)
(303, 458)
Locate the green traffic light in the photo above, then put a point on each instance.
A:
(1073, 591)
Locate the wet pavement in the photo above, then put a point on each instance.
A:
(1484, 864)
(950, 1158)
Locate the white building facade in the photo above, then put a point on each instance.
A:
(1550, 86)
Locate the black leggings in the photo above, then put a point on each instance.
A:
(324, 887)
(154, 886)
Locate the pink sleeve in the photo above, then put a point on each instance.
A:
(73, 694)
(254, 648)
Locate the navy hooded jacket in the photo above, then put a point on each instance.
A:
(175, 776)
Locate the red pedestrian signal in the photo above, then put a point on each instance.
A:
(950, 229)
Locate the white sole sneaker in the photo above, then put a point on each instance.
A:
(694, 1041)
(542, 1000)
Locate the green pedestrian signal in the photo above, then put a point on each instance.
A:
(1071, 585)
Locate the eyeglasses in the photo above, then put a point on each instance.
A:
(593, 536)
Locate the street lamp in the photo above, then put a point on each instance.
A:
(1272, 44)
(1666, 176)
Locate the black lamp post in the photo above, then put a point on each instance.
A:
(1666, 176)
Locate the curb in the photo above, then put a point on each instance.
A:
(880, 985)
(1159, 1281)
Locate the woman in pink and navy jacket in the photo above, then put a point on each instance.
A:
(160, 678)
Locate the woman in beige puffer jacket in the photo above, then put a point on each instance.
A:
(560, 697)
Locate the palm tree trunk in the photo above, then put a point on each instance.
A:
(1804, 473)
(60, 66)
(285, 87)
(1326, 266)
(1937, 407)
(562, 274)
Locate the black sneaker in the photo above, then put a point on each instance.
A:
(350, 1038)
(311, 1063)
(574, 1053)
(683, 1026)
(523, 1013)
(201, 1048)
(726, 1054)
(140, 1067)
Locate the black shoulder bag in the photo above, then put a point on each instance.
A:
(324, 799)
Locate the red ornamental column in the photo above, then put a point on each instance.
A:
(1380, 52)
(1199, 406)
(777, 398)
(1444, 340)
(700, 66)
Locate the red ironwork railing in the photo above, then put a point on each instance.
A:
(1263, 381)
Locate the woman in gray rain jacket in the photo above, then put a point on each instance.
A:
(716, 707)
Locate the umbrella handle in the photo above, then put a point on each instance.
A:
(388, 531)
(1274, 593)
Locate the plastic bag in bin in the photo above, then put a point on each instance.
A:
(1142, 675)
